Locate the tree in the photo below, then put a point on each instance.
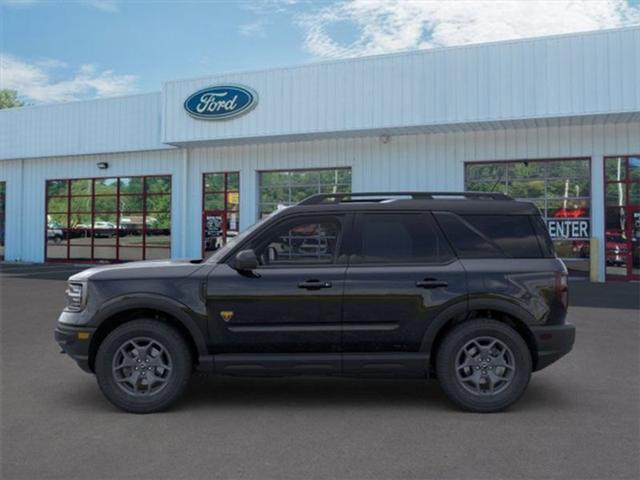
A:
(9, 99)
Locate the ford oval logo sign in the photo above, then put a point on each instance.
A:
(221, 102)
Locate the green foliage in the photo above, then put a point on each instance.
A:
(9, 99)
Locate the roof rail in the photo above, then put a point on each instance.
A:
(389, 196)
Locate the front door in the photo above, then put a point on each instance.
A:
(634, 243)
(401, 275)
(220, 210)
(214, 231)
(622, 217)
(292, 302)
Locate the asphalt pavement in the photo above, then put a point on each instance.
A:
(579, 419)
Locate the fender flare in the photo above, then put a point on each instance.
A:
(161, 303)
(461, 309)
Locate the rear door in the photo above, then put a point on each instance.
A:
(401, 274)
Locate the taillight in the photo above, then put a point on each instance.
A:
(562, 289)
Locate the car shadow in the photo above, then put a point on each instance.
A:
(206, 392)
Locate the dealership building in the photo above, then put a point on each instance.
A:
(176, 173)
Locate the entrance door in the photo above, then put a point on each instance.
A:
(634, 243)
(220, 210)
(622, 231)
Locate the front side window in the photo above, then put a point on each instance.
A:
(399, 238)
(109, 219)
(287, 187)
(301, 242)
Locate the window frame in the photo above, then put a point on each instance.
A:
(506, 181)
(356, 235)
(144, 248)
(289, 185)
(225, 210)
(560, 244)
(627, 207)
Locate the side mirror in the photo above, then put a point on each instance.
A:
(246, 261)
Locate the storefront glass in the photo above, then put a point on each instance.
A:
(561, 189)
(221, 209)
(109, 219)
(622, 217)
(286, 187)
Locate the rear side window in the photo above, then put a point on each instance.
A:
(546, 244)
(399, 238)
(489, 236)
(467, 241)
(513, 234)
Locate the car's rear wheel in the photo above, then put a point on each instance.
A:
(143, 366)
(483, 365)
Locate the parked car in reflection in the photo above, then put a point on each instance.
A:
(54, 233)
(104, 229)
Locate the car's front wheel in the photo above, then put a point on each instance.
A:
(143, 366)
(483, 365)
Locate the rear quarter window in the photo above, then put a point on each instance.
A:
(492, 236)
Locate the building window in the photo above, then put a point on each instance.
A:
(287, 187)
(3, 187)
(561, 189)
(622, 217)
(109, 219)
(221, 209)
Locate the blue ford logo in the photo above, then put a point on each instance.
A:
(221, 102)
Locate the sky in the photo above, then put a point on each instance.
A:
(56, 51)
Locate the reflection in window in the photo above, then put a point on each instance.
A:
(561, 189)
(283, 188)
(221, 207)
(304, 243)
(622, 216)
(109, 219)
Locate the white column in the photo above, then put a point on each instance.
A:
(249, 197)
(597, 211)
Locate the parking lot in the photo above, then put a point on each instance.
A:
(579, 419)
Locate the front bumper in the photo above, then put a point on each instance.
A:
(75, 342)
(553, 342)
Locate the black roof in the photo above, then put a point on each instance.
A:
(458, 202)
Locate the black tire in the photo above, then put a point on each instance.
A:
(482, 399)
(175, 353)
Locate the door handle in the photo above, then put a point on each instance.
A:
(431, 283)
(314, 284)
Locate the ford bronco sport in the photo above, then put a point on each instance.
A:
(465, 288)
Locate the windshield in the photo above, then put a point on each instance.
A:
(239, 238)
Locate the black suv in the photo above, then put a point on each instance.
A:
(462, 287)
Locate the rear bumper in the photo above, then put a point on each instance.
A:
(77, 347)
(553, 342)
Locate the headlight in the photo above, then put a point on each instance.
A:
(75, 297)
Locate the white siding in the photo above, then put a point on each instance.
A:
(26, 206)
(409, 162)
(565, 76)
(96, 126)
